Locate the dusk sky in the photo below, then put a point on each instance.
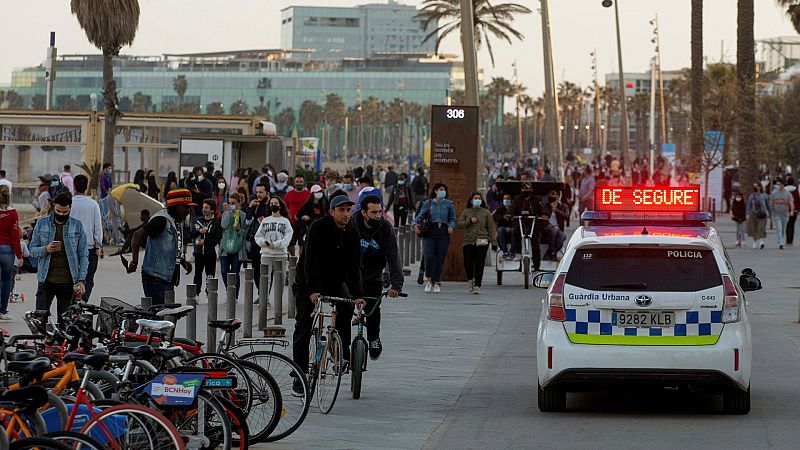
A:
(578, 26)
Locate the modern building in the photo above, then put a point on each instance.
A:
(334, 33)
(780, 55)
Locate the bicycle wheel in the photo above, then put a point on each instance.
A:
(329, 377)
(265, 412)
(38, 443)
(75, 440)
(3, 441)
(134, 427)
(526, 271)
(205, 425)
(242, 395)
(55, 406)
(69, 393)
(358, 359)
(284, 371)
(239, 429)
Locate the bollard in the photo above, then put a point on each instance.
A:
(231, 296)
(169, 297)
(292, 275)
(211, 336)
(401, 244)
(191, 300)
(147, 302)
(263, 296)
(406, 246)
(419, 246)
(248, 302)
(277, 271)
(413, 250)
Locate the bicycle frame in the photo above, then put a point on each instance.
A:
(319, 317)
(68, 373)
(82, 400)
(16, 428)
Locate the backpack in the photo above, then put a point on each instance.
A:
(760, 213)
(281, 192)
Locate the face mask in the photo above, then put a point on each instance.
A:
(199, 178)
(347, 186)
(232, 207)
(506, 202)
(317, 195)
(109, 171)
(54, 183)
(221, 185)
(401, 182)
(738, 199)
(61, 218)
(441, 194)
(269, 172)
(274, 208)
(300, 186)
(552, 199)
(373, 223)
(526, 193)
(476, 203)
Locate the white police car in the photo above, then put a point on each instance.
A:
(645, 295)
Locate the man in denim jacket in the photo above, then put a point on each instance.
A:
(59, 244)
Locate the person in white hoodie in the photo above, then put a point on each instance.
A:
(274, 235)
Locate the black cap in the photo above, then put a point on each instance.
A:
(341, 200)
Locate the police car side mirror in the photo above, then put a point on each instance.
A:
(543, 280)
(749, 283)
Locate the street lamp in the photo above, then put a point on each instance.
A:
(624, 149)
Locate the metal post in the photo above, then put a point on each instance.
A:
(263, 296)
(406, 246)
(623, 125)
(211, 336)
(277, 268)
(191, 319)
(231, 295)
(169, 297)
(470, 66)
(292, 275)
(147, 302)
(248, 302)
(552, 121)
(400, 235)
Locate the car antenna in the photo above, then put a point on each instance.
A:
(644, 230)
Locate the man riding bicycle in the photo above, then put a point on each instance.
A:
(378, 249)
(325, 266)
(528, 204)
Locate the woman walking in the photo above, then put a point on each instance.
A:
(274, 235)
(152, 185)
(437, 216)
(757, 213)
(233, 234)
(739, 215)
(170, 184)
(479, 232)
(10, 248)
(221, 195)
(316, 207)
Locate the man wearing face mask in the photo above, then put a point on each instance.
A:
(505, 226)
(296, 197)
(400, 201)
(203, 183)
(256, 211)
(349, 188)
(106, 183)
(206, 234)
(530, 205)
(378, 249)
(59, 244)
(554, 234)
(282, 186)
(163, 256)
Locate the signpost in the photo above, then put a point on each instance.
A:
(454, 162)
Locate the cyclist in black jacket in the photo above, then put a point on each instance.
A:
(327, 266)
(378, 249)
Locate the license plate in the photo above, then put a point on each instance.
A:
(644, 319)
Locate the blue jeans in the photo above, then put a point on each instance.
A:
(229, 264)
(504, 237)
(435, 251)
(155, 287)
(780, 227)
(740, 237)
(555, 239)
(90, 274)
(6, 276)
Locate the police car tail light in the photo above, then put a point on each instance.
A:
(732, 302)
(555, 300)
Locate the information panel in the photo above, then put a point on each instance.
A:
(645, 199)
(455, 134)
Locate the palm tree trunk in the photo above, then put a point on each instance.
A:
(696, 138)
(109, 100)
(745, 87)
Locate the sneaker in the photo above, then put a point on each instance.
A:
(5, 317)
(762, 246)
(428, 287)
(375, 349)
(780, 246)
(421, 277)
(476, 290)
(470, 285)
(298, 390)
(436, 288)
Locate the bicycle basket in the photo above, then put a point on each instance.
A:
(107, 323)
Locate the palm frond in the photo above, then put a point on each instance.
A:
(109, 24)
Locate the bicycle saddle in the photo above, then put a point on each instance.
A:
(32, 369)
(159, 326)
(139, 352)
(186, 341)
(31, 397)
(168, 353)
(96, 361)
(226, 325)
(176, 312)
(157, 308)
(21, 355)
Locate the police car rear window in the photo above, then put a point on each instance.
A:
(644, 269)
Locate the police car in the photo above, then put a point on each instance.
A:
(645, 295)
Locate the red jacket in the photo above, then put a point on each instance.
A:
(294, 200)
(9, 231)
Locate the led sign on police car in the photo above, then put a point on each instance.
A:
(645, 199)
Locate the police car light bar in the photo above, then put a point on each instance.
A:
(654, 216)
(647, 199)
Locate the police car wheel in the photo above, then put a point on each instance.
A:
(552, 399)
(736, 401)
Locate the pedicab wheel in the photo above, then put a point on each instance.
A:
(526, 271)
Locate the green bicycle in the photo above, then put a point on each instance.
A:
(358, 349)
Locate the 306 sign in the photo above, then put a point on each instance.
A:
(454, 113)
(672, 199)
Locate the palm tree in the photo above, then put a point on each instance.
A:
(180, 85)
(142, 102)
(261, 111)
(746, 92)
(500, 88)
(311, 114)
(285, 121)
(488, 19)
(239, 108)
(335, 111)
(38, 101)
(696, 142)
(215, 108)
(792, 10)
(109, 25)
(10, 100)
